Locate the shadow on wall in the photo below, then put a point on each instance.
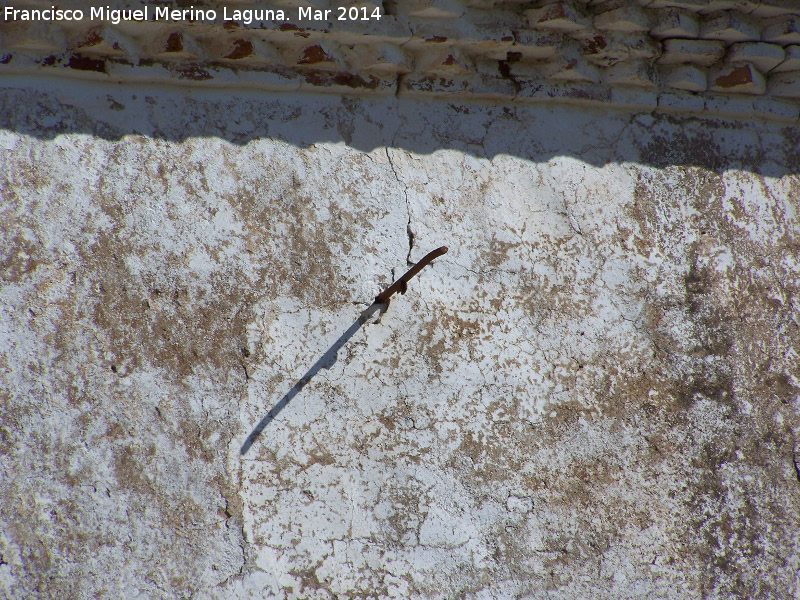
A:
(325, 362)
(477, 128)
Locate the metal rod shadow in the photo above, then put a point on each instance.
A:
(325, 362)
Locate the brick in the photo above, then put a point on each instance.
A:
(564, 93)
(386, 58)
(729, 26)
(731, 106)
(609, 49)
(346, 82)
(173, 45)
(415, 84)
(741, 6)
(685, 77)
(447, 62)
(561, 17)
(291, 5)
(690, 5)
(737, 79)
(322, 56)
(633, 98)
(677, 102)
(791, 62)
(764, 56)
(37, 37)
(436, 9)
(536, 45)
(629, 19)
(103, 41)
(675, 23)
(785, 85)
(245, 51)
(698, 52)
(784, 32)
(632, 73)
(489, 40)
(483, 86)
(388, 29)
(777, 109)
(575, 70)
(768, 9)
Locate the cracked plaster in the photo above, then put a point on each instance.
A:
(593, 394)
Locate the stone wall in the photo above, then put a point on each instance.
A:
(722, 57)
(594, 393)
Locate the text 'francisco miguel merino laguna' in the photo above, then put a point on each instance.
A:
(162, 13)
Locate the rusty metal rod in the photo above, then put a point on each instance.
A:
(402, 284)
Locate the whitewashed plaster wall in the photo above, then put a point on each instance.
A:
(594, 394)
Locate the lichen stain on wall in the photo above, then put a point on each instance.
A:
(593, 394)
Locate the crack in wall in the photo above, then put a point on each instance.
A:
(409, 229)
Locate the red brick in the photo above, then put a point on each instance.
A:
(737, 79)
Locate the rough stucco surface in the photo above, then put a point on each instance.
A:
(593, 394)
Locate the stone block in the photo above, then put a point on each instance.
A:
(566, 93)
(685, 77)
(730, 106)
(764, 56)
(632, 73)
(489, 40)
(385, 58)
(785, 31)
(676, 23)
(435, 9)
(785, 85)
(629, 18)
(611, 48)
(690, 5)
(389, 29)
(768, 9)
(712, 6)
(572, 69)
(634, 98)
(446, 62)
(490, 87)
(741, 78)
(321, 56)
(699, 52)
(729, 27)
(777, 109)
(678, 102)
(435, 85)
(243, 51)
(173, 45)
(536, 45)
(791, 61)
(103, 41)
(37, 37)
(560, 16)
(347, 82)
